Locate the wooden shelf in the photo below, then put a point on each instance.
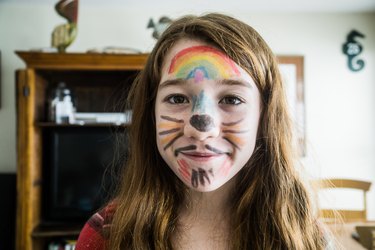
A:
(56, 231)
(76, 125)
(82, 61)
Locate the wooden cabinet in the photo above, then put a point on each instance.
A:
(98, 81)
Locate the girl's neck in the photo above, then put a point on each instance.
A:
(204, 220)
(208, 205)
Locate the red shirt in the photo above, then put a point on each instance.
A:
(94, 234)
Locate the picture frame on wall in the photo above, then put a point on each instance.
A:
(291, 69)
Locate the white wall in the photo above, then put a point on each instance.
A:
(340, 104)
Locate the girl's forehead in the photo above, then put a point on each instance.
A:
(199, 60)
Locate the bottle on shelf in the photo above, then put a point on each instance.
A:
(61, 105)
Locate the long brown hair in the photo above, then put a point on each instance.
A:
(271, 208)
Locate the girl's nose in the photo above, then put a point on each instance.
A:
(201, 127)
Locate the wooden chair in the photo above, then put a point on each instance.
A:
(346, 215)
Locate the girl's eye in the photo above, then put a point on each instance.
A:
(231, 100)
(177, 99)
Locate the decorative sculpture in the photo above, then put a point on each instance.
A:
(64, 34)
(160, 26)
(352, 48)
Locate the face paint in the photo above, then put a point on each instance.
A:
(224, 170)
(184, 170)
(203, 136)
(230, 130)
(200, 120)
(202, 62)
(182, 149)
(215, 150)
(202, 123)
(201, 176)
(201, 103)
(170, 130)
(233, 127)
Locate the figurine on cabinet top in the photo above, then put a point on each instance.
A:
(64, 34)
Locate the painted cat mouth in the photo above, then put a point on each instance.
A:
(201, 156)
(192, 150)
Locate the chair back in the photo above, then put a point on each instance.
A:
(346, 215)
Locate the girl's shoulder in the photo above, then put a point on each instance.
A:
(94, 233)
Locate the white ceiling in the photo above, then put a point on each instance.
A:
(233, 5)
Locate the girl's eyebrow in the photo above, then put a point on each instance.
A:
(228, 82)
(172, 82)
(232, 82)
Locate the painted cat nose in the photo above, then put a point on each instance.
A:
(201, 127)
(202, 123)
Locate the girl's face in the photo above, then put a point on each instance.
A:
(207, 111)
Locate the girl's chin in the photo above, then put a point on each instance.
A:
(209, 187)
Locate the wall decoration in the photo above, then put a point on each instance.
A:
(291, 69)
(352, 49)
(64, 34)
(160, 26)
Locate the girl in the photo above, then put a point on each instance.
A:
(211, 162)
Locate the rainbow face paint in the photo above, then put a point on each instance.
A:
(202, 62)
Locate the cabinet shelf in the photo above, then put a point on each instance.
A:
(83, 61)
(56, 231)
(77, 125)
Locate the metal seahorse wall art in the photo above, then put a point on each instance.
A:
(352, 49)
(64, 34)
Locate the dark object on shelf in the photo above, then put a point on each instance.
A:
(7, 210)
(352, 49)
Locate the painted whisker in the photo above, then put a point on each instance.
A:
(168, 125)
(168, 118)
(231, 142)
(215, 150)
(173, 140)
(168, 138)
(187, 148)
(231, 131)
(165, 132)
(233, 127)
(231, 123)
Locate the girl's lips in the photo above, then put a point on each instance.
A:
(197, 156)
